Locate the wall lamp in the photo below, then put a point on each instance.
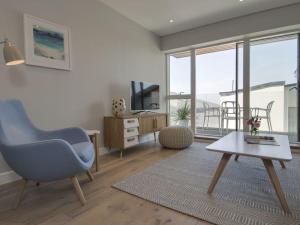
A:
(11, 54)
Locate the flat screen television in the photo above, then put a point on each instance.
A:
(144, 96)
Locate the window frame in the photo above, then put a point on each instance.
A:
(246, 78)
(180, 96)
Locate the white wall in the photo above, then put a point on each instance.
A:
(108, 51)
(275, 20)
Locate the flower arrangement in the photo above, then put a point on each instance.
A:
(254, 124)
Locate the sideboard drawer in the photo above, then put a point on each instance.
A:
(133, 122)
(130, 132)
(131, 141)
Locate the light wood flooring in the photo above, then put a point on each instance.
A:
(56, 203)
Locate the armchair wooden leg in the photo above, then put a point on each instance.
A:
(90, 175)
(21, 192)
(78, 190)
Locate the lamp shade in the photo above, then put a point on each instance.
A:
(11, 54)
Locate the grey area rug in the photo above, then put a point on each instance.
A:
(243, 195)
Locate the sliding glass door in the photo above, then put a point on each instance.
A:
(217, 86)
(218, 100)
(273, 84)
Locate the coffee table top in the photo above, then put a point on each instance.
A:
(234, 143)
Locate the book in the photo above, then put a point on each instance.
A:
(261, 140)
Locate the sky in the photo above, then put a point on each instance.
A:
(215, 72)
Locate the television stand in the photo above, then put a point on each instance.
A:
(124, 132)
(142, 112)
(138, 112)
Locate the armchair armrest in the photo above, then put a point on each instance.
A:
(72, 135)
(44, 160)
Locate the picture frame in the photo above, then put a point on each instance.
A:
(46, 44)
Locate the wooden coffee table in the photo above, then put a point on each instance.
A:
(234, 144)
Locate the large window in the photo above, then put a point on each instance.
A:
(180, 73)
(210, 82)
(180, 88)
(273, 84)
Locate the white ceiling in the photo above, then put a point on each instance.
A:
(154, 15)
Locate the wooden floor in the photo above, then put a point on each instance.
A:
(57, 204)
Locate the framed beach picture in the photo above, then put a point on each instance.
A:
(47, 44)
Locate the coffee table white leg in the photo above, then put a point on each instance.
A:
(219, 171)
(276, 183)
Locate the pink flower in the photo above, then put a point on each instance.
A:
(257, 124)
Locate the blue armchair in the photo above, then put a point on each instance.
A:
(43, 156)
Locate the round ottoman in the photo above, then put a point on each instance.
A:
(176, 137)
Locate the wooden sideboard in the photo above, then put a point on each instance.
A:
(123, 132)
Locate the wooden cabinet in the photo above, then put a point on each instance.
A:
(146, 125)
(151, 124)
(124, 132)
(120, 132)
(160, 122)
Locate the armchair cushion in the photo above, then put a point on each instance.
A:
(85, 150)
(73, 135)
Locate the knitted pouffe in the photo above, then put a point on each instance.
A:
(176, 137)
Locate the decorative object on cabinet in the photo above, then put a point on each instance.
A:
(123, 132)
(47, 44)
(118, 107)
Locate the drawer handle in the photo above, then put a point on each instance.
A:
(130, 121)
(130, 139)
(130, 130)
